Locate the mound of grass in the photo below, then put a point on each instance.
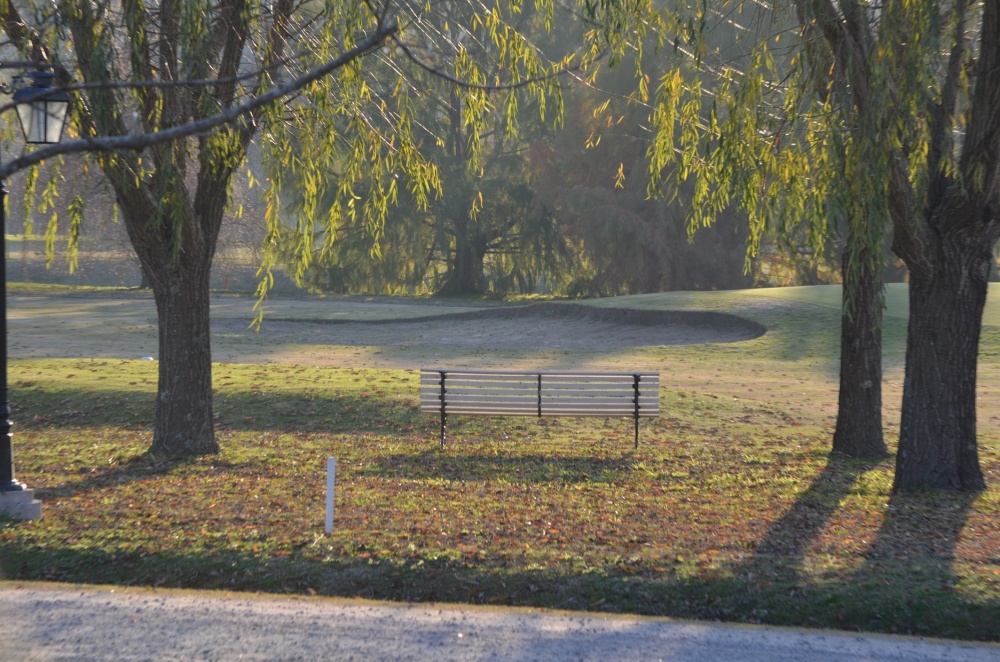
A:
(57, 289)
(730, 509)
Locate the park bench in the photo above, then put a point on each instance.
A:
(448, 392)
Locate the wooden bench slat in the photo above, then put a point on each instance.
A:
(491, 412)
(581, 412)
(624, 381)
(487, 392)
(485, 402)
(626, 409)
(598, 388)
(533, 385)
(544, 373)
(568, 395)
(588, 413)
(533, 393)
(532, 405)
(644, 400)
(601, 392)
(530, 412)
(583, 402)
(622, 410)
(456, 379)
(471, 399)
(629, 401)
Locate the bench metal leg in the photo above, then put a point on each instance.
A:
(635, 389)
(444, 413)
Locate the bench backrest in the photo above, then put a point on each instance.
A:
(539, 393)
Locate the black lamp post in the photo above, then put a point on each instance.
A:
(42, 111)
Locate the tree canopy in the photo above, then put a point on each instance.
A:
(461, 230)
(441, 102)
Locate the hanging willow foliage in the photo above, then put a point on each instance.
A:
(856, 117)
(356, 137)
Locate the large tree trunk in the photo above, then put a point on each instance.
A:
(184, 413)
(937, 437)
(180, 281)
(859, 407)
(465, 272)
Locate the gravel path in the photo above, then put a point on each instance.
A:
(43, 622)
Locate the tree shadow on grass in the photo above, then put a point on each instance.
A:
(459, 578)
(788, 538)
(244, 410)
(518, 469)
(910, 566)
(133, 469)
(903, 583)
(777, 565)
(143, 466)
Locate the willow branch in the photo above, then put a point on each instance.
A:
(139, 142)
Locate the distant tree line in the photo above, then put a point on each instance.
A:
(550, 210)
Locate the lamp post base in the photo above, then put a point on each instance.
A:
(20, 504)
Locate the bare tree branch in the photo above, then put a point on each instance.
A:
(941, 141)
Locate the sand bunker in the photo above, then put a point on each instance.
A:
(316, 332)
(540, 326)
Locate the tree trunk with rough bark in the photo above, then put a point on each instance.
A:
(859, 407)
(184, 413)
(937, 438)
(465, 271)
(949, 252)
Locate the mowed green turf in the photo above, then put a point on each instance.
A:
(829, 296)
(896, 299)
(731, 507)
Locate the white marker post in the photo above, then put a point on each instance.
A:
(331, 470)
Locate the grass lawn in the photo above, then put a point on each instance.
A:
(730, 509)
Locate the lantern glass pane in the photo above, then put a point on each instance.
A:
(42, 120)
(55, 114)
(27, 115)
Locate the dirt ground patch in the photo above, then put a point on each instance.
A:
(360, 333)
